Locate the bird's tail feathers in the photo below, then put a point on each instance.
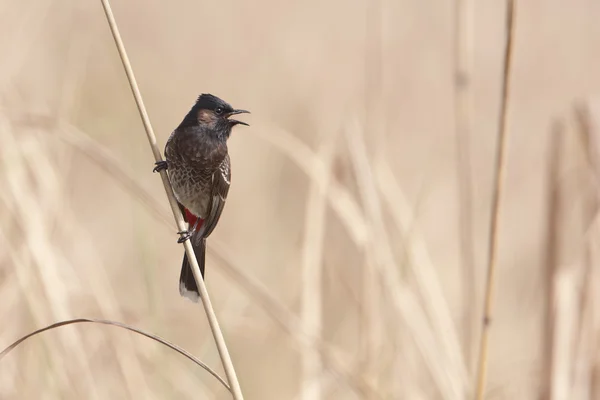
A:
(187, 284)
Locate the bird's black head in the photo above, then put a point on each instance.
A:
(211, 115)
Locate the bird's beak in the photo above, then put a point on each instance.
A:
(235, 121)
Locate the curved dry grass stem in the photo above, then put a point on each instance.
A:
(236, 390)
(499, 171)
(158, 339)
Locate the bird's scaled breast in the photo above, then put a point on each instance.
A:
(191, 188)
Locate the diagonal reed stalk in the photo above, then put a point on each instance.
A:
(236, 390)
(499, 171)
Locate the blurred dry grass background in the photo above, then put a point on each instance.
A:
(349, 262)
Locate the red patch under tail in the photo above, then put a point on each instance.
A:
(191, 219)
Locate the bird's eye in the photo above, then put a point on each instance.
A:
(219, 110)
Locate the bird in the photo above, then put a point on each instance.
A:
(199, 170)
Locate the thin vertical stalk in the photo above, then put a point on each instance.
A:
(236, 391)
(312, 276)
(500, 170)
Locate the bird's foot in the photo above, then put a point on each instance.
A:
(185, 235)
(160, 166)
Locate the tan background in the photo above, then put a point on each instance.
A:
(344, 83)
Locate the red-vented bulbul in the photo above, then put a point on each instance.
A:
(199, 171)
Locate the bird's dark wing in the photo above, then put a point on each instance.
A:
(220, 187)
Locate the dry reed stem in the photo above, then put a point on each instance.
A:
(312, 274)
(391, 284)
(499, 171)
(236, 390)
(423, 270)
(156, 338)
(463, 58)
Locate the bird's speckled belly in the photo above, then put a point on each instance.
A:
(190, 192)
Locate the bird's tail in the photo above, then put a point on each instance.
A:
(187, 283)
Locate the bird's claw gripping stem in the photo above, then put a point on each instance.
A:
(160, 166)
(185, 235)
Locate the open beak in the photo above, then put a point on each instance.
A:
(234, 122)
